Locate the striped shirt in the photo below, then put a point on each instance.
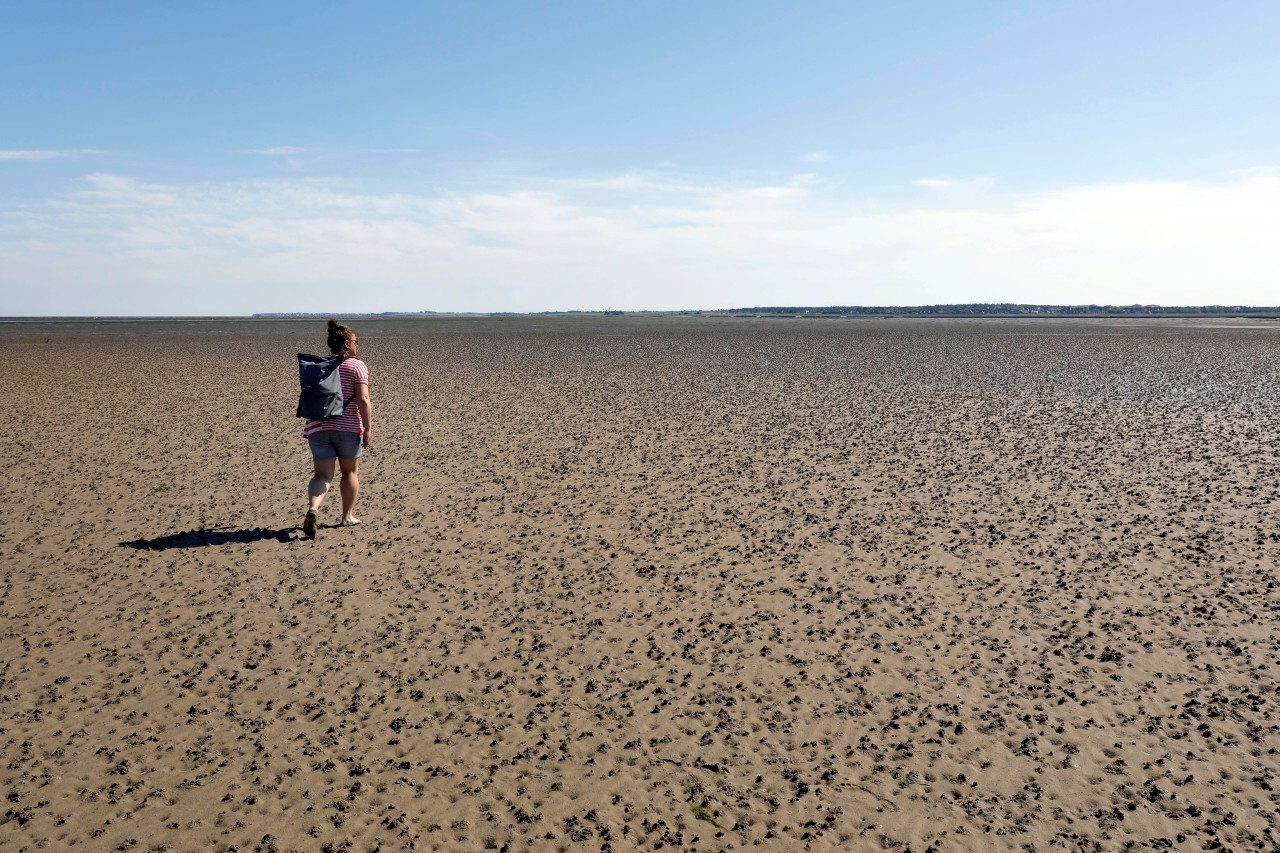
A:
(353, 372)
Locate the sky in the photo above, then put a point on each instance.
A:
(161, 158)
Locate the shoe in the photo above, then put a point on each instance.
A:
(309, 524)
(350, 522)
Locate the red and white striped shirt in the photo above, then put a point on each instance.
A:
(353, 372)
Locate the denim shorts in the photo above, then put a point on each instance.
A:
(339, 445)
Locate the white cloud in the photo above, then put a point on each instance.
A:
(30, 155)
(628, 182)
(18, 154)
(815, 157)
(278, 151)
(120, 245)
(953, 185)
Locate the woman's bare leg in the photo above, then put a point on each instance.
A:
(350, 486)
(319, 485)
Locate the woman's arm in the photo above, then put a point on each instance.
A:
(366, 412)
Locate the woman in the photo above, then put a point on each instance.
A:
(343, 439)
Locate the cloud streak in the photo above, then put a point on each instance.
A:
(634, 241)
(38, 154)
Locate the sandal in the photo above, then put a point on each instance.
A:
(309, 524)
(350, 522)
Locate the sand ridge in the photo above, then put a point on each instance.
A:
(629, 583)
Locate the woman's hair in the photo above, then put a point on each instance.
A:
(339, 335)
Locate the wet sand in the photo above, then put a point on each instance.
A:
(640, 584)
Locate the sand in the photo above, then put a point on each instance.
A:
(638, 584)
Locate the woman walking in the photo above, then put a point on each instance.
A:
(340, 441)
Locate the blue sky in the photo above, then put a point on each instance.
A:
(178, 158)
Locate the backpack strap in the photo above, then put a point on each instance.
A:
(341, 359)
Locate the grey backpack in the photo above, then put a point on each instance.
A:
(321, 397)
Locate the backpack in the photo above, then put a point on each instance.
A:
(321, 397)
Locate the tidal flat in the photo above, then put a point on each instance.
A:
(680, 583)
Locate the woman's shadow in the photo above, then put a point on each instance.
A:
(211, 536)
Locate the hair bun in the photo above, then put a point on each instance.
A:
(334, 324)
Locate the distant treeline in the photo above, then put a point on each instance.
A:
(367, 315)
(317, 315)
(972, 309)
(1005, 309)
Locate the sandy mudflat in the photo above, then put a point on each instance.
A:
(628, 584)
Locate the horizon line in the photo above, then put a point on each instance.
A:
(978, 309)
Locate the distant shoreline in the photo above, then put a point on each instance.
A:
(958, 311)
